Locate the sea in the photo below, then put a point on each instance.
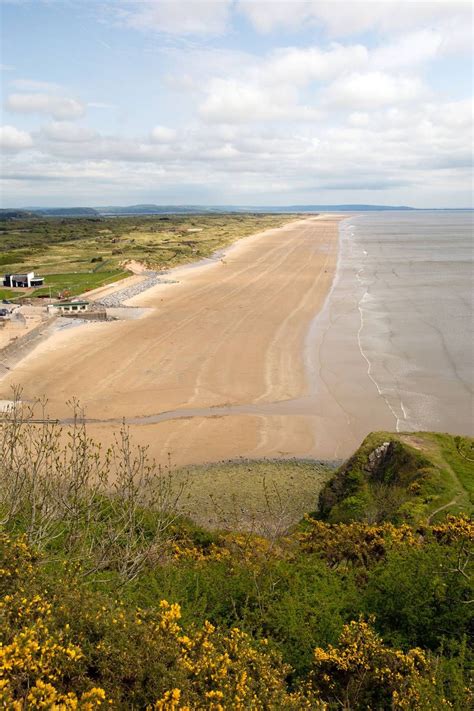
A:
(399, 319)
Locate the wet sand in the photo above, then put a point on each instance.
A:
(222, 353)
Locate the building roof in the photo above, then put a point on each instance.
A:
(72, 303)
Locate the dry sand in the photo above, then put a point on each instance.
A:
(23, 320)
(218, 350)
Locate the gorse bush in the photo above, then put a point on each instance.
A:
(68, 647)
(110, 598)
(140, 657)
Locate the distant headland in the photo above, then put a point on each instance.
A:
(151, 209)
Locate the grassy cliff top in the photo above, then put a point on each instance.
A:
(405, 477)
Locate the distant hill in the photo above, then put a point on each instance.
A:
(151, 209)
(66, 212)
(15, 214)
(403, 478)
(193, 209)
(345, 208)
(18, 214)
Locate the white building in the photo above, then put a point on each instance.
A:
(25, 281)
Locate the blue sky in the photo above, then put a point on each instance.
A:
(236, 102)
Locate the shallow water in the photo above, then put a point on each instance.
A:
(403, 296)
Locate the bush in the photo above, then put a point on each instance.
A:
(307, 607)
(419, 598)
(110, 511)
(108, 596)
(70, 645)
(362, 672)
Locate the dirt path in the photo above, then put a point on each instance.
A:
(441, 508)
(462, 491)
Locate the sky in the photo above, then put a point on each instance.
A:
(242, 102)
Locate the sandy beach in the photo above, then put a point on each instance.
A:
(221, 352)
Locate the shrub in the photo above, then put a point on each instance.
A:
(361, 672)
(110, 511)
(418, 596)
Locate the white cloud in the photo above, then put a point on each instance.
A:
(458, 36)
(268, 88)
(225, 152)
(268, 16)
(371, 90)
(181, 18)
(399, 151)
(349, 17)
(14, 140)
(100, 105)
(272, 123)
(292, 83)
(233, 101)
(163, 134)
(359, 118)
(408, 50)
(33, 85)
(343, 18)
(60, 107)
(455, 114)
(388, 141)
(303, 65)
(69, 132)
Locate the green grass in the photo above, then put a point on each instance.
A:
(454, 456)
(78, 282)
(426, 476)
(8, 294)
(255, 495)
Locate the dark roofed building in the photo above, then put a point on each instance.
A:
(25, 281)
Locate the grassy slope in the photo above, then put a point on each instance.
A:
(252, 495)
(79, 282)
(426, 475)
(69, 250)
(7, 294)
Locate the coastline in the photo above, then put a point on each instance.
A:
(391, 348)
(230, 334)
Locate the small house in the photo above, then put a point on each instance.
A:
(71, 306)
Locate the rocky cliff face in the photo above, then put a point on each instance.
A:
(378, 456)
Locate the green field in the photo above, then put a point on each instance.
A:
(82, 253)
(78, 282)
